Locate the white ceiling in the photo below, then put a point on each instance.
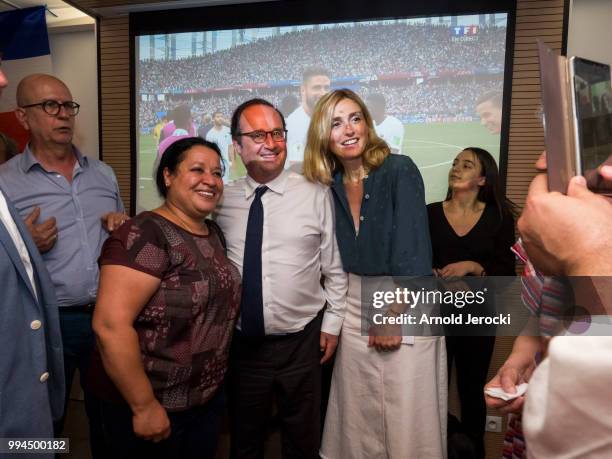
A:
(156, 5)
(59, 13)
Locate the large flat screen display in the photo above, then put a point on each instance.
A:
(434, 86)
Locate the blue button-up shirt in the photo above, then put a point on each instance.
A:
(77, 207)
(393, 237)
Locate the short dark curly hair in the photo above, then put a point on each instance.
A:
(174, 155)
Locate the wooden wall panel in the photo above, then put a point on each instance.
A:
(115, 100)
(535, 19)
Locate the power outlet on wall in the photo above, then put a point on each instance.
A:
(494, 424)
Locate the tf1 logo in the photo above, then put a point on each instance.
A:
(464, 31)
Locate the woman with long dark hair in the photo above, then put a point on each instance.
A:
(472, 231)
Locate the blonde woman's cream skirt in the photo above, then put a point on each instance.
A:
(385, 404)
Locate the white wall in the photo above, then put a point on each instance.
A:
(590, 30)
(74, 57)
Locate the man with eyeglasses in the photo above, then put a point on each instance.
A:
(69, 203)
(280, 233)
(31, 360)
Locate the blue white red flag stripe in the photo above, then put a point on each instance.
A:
(24, 44)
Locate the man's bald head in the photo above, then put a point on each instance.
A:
(47, 132)
(26, 89)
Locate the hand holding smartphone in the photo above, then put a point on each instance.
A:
(577, 105)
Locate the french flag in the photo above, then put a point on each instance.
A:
(24, 44)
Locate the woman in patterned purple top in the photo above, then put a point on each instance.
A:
(166, 309)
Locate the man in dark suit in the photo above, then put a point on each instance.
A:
(31, 360)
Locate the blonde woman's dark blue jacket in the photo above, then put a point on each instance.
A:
(393, 237)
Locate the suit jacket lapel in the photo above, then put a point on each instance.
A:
(7, 241)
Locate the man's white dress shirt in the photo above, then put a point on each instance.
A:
(299, 247)
(567, 408)
(297, 128)
(11, 227)
(391, 130)
(223, 139)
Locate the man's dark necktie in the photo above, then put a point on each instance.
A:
(251, 304)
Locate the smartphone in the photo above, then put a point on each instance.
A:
(558, 132)
(591, 102)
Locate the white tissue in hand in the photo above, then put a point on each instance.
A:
(498, 392)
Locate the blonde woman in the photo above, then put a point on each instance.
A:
(388, 399)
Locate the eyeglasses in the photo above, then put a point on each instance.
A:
(278, 135)
(53, 107)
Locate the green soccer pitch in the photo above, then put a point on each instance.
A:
(432, 146)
